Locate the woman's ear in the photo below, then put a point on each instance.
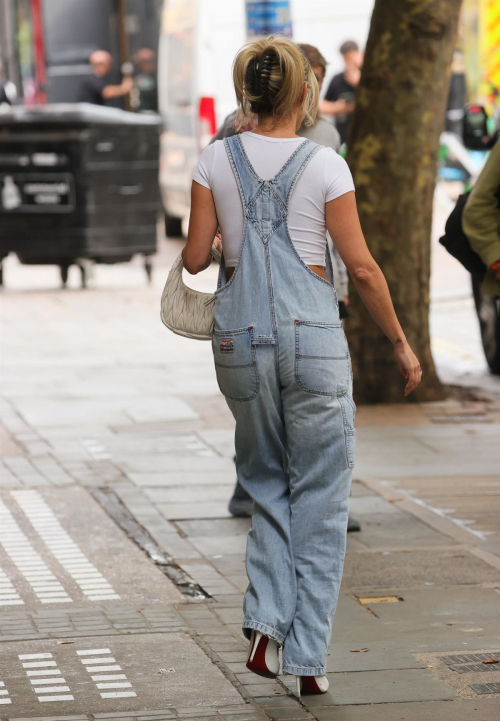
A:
(303, 94)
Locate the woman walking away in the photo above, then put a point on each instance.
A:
(281, 355)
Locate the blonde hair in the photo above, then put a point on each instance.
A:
(269, 74)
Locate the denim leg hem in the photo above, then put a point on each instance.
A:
(304, 670)
(263, 628)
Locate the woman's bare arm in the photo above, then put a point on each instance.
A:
(343, 224)
(202, 228)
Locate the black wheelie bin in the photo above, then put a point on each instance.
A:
(78, 184)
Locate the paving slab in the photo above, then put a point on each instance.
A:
(435, 450)
(164, 479)
(219, 527)
(378, 687)
(112, 673)
(75, 621)
(58, 548)
(415, 568)
(462, 710)
(186, 511)
(428, 619)
(189, 494)
(460, 609)
(400, 530)
(379, 657)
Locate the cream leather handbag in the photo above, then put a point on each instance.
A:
(186, 311)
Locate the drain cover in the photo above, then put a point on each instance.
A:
(483, 688)
(469, 658)
(475, 667)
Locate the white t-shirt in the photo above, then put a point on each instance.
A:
(324, 178)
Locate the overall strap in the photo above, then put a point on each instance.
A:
(248, 181)
(265, 202)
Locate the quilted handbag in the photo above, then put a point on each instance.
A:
(186, 311)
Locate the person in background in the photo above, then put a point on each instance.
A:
(481, 220)
(456, 96)
(144, 95)
(8, 93)
(96, 88)
(339, 98)
(323, 133)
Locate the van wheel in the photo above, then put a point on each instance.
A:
(148, 267)
(64, 274)
(488, 313)
(173, 226)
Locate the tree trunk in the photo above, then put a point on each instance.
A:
(392, 152)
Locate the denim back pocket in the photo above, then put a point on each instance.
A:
(235, 363)
(321, 358)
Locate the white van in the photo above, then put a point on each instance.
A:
(198, 42)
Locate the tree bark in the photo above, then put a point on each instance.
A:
(392, 152)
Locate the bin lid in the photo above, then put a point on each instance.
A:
(74, 114)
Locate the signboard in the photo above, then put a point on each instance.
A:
(490, 42)
(36, 193)
(269, 16)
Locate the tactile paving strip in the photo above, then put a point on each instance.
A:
(113, 675)
(92, 583)
(46, 587)
(58, 546)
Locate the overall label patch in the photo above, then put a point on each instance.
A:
(226, 345)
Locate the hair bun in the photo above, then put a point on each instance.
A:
(269, 75)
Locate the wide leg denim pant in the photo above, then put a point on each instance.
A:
(283, 364)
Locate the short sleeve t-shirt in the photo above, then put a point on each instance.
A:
(324, 178)
(91, 90)
(340, 88)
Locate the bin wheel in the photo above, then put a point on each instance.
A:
(64, 274)
(173, 227)
(86, 271)
(148, 267)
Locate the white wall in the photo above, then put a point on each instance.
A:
(327, 23)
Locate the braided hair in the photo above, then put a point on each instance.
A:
(258, 78)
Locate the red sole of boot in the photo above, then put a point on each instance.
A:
(309, 686)
(258, 663)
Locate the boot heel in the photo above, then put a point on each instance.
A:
(311, 685)
(263, 656)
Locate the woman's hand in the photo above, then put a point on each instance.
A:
(408, 364)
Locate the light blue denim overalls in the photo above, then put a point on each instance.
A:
(283, 364)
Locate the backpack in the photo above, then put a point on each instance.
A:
(457, 243)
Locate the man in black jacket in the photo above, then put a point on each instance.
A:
(339, 98)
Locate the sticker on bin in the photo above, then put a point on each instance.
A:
(37, 193)
(226, 345)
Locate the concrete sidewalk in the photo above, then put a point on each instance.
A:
(113, 432)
